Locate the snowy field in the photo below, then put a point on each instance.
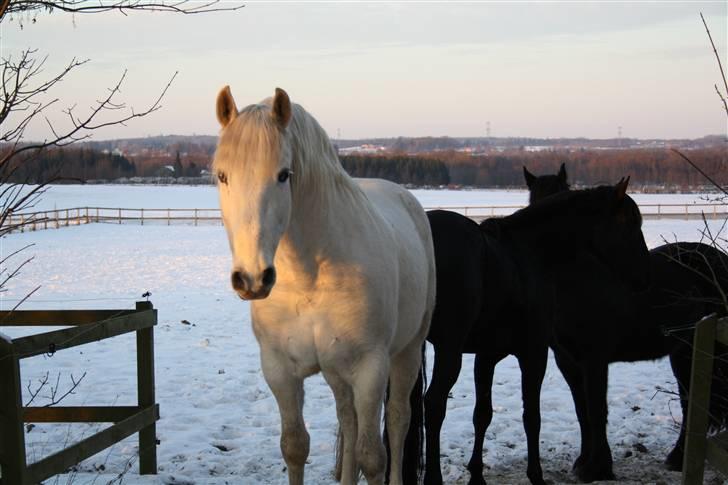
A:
(205, 197)
(219, 422)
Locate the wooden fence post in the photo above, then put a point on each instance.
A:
(142, 217)
(699, 401)
(119, 215)
(145, 396)
(12, 446)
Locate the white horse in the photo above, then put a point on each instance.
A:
(341, 272)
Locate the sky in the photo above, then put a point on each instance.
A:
(372, 69)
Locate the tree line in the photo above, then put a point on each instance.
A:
(647, 167)
(401, 169)
(77, 164)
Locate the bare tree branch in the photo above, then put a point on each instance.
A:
(123, 6)
(696, 167)
(720, 66)
(54, 397)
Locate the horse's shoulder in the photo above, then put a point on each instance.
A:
(395, 204)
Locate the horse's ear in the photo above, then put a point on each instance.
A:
(622, 188)
(226, 109)
(282, 108)
(562, 172)
(530, 178)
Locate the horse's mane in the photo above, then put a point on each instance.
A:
(571, 203)
(315, 163)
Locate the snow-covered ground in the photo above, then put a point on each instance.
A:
(205, 197)
(219, 422)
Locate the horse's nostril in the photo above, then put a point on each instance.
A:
(269, 276)
(238, 281)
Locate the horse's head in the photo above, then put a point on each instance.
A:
(617, 237)
(253, 164)
(545, 185)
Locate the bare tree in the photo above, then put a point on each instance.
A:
(26, 97)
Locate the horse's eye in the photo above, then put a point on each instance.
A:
(284, 175)
(222, 177)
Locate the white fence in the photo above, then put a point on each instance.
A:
(32, 221)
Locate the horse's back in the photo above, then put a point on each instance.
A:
(690, 279)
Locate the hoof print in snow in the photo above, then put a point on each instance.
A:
(640, 447)
(628, 453)
(185, 322)
(222, 448)
(636, 408)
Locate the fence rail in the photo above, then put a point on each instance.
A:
(698, 446)
(32, 221)
(85, 327)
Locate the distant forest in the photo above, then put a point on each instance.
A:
(647, 167)
(401, 169)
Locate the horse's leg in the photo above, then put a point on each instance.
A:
(599, 464)
(680, 362)
(575, 379)
(369, 382)
(533, 368)
(445, 372)
(288, 391)
(484, 368)
(402, 376)
(346, 454)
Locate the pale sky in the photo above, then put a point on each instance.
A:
(549, 69)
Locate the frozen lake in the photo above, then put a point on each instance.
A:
(220, 424)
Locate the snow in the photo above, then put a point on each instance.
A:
(219, 422)
(205, 197)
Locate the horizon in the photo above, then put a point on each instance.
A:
(631, 70)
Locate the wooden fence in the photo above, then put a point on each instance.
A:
(85, 327)
(698, 446)
(31, 221)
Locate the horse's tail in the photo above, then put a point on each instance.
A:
(413, 460)
(339, 453)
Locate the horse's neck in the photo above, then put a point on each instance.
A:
(553, 238)
(321, 217)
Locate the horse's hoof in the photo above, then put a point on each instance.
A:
(578, 464)
(674, 461)
(587, 475)
(536, 478)
(476, 480)
(433, 480)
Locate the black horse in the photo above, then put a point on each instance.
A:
(545, 185)
(689, 281)
(495, 297)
